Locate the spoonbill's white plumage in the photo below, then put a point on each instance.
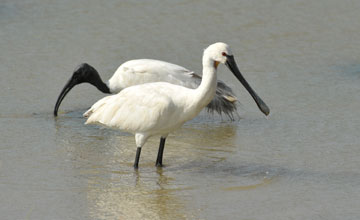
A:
(135, 72)
(156, 109)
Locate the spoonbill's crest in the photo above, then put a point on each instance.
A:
(218, 52)
(156, 109)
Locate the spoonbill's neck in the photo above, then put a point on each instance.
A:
(206, 91)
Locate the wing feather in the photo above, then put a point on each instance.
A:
(137, 108)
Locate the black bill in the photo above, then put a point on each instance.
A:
(231, 64)
(69, 85)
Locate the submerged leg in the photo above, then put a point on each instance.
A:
(140, 140)
(137, 157)
(160, 152)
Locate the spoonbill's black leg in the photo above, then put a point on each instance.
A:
(160, 152)
(137, 157)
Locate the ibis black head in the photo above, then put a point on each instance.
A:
(82, 74)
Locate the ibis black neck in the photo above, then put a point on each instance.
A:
(103, 87)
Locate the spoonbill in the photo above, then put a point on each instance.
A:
(142, 71)
(156, 109)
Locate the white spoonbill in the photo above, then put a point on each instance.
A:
(156, 109)
(142, 71)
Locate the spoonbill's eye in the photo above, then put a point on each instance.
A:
(224, 54)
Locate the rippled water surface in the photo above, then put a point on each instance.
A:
(302, 57)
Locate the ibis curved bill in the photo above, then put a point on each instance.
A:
(135, 72)
(156, 109)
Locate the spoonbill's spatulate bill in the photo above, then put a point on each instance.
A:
(142, 71)
(156, 109)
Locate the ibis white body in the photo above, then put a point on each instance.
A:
(141, 71)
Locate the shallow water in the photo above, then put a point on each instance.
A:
(302, 162)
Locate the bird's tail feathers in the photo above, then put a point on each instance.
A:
(224, 101)
(95, 108)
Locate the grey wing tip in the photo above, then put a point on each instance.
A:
(224, 101)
